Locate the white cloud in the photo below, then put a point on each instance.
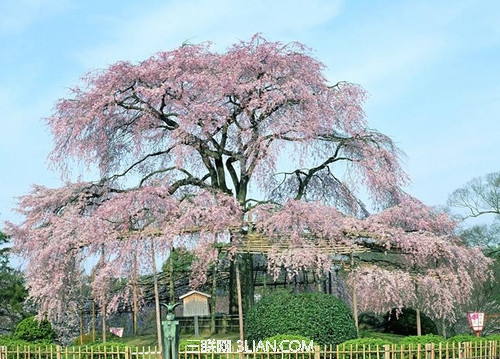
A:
(222, 22)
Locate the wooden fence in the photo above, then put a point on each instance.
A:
(466, 350)
(82, 352)
(224, 323)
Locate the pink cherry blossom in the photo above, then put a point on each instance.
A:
(204, 150)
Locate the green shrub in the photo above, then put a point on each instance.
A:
(493, 337)
(33, 331)
(360, 342)
(390, 337)
(10, 342)
(406, 323)
(424, 339)
(464, 338)
(321, 317)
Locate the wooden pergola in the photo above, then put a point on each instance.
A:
(257, 243)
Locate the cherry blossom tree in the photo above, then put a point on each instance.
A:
(422, 264)
(199, 149)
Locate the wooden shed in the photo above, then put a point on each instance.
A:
(195, 304)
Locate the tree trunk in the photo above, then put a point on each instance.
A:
(81, 326)
(245, 268)
(93, 320)
(247, 281)
(233, 298)
(419, 326)
(213, 300)
(157, 297)
(103, 309)
(264, 281)
(354, 300)
(319, 283)
(171, 289)
(81, 314)
(135, 297)
(355, 309)
(240, 304)
(103, 323)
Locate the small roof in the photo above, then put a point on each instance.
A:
(194, 292)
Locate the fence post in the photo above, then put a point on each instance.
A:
(58, 352)
(3, 352)
(316, 352)
(224, 324)
(429, 351)
(465, 350)
(387, 351)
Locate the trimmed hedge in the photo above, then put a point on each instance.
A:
(492, 337)
(33, 331)
(471, 338)
(12, 343)
(424, 339)
(323, 318)
(360, 342)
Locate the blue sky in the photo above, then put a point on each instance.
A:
(432, 69)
